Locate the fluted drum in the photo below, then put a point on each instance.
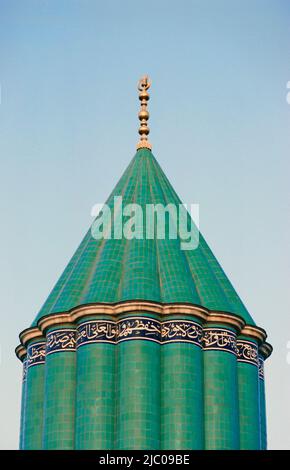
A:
(141, 380)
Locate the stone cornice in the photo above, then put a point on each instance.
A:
(265, 350)
(134, 306)
(255, 332)
(20, 352)
(30, 334)
(228, 319)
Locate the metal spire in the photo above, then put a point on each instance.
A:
(143, 85)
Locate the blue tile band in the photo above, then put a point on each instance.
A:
(96, 331)
(24, 371)
(61, 340)
(219, 339)
(261, 367)
(181, 331)
(36, 354)
(139, 328)
(144, 328)
(247, 352)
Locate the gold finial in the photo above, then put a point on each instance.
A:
(143, 85)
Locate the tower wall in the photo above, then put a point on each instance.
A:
(144, 380)
(138, 383)
(262, 403)
(23, 403)
(34, 396)
(221, 413)
(60, 389)
(95, 397)
(248, 388)
(181, 384)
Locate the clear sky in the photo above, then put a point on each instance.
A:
(220, 128)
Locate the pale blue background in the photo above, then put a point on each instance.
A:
(220, 130)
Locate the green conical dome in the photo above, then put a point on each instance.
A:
(112, 270)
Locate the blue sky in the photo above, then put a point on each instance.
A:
(219, 127)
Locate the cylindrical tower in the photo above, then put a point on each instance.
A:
(34, 396)
(248, 387)
(138, 383)
(221, 410)
(262, 405)
(23, 402)
(60, 388)
(95, 395)
(181, 384)
(264, 352)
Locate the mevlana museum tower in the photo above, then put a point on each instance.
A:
(142, 344)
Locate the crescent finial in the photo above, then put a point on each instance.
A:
(143, 85)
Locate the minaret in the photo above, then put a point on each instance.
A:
(141, 344)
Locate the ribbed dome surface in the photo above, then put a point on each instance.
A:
(112, 270)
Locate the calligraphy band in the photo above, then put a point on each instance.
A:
(219, 339)
(181, 330)
(261, 367)
(138, 328)
(247, 352)
(96, 331)
(24, 371)
(146, 328)
(61, 340)
(35, 354)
